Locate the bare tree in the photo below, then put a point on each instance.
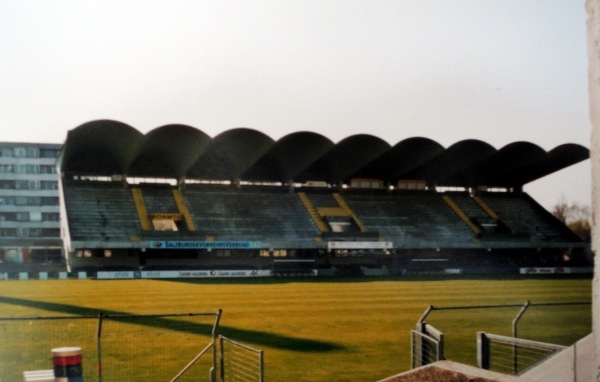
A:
(576, 216)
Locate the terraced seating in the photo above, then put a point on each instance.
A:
(159, 199)
(106, 211)
(249, 215)
(100, 211)
(526, 217)
(409, 218)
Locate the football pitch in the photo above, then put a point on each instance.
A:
(309, 329)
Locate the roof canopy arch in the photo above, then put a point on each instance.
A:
(556, 159)
(289, 156)
(230, 153)
(507, 160)
(401, 158)
(107, 147)
(442, 169)
(101, 147)
(169, 151)
(345, 159)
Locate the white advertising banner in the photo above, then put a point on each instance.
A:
(554, 270)
(359, 245)
(182, 274)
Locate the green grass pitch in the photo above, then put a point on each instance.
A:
(310, 329)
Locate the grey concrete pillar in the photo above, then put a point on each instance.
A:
(593, 33)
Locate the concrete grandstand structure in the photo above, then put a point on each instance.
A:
(176, 202)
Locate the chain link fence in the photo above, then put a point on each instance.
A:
(114, 347)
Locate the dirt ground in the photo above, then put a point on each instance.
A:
(433, 374)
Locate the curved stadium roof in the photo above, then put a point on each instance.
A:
(106, 148)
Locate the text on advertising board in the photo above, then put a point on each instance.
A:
(205, 244)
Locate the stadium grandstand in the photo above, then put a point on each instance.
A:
(175, 202)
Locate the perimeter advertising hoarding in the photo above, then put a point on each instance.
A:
(359, 245)
(182, 274)
(554, 270)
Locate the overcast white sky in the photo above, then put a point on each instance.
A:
(498, 71)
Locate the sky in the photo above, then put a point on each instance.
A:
(448, 70)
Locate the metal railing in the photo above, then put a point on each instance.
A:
(427, 344)
(240, 362)
(511, 355)
(515, 322)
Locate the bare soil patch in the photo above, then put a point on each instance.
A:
(434, 374)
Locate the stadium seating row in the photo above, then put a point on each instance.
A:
(106, 211)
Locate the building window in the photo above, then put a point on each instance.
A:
(21, 184)
(47, 169)
(8, 232)
(50, 216)
(8, 216)
(20, 152)
(49, 185)
(35, 216)
(7, 184)
(34, 232)
(33, 152)
(7, 200)
(6, 152)
(50, 232)
(7, 169)
(49, 201)
(48, 153)
(22, 216)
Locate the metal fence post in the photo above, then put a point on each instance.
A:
(222, 358)
(261, 357)
(441, 345)
(99, 344)
(213, 372)
(515, 322)
(429, 309)
(483, 351)
(515, 334)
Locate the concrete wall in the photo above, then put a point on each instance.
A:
(572, 364)
(593, 32)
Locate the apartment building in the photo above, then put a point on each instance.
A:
(29, 206)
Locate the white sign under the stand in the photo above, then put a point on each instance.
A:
(555, 270)
(359, 245)
(182, 274)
